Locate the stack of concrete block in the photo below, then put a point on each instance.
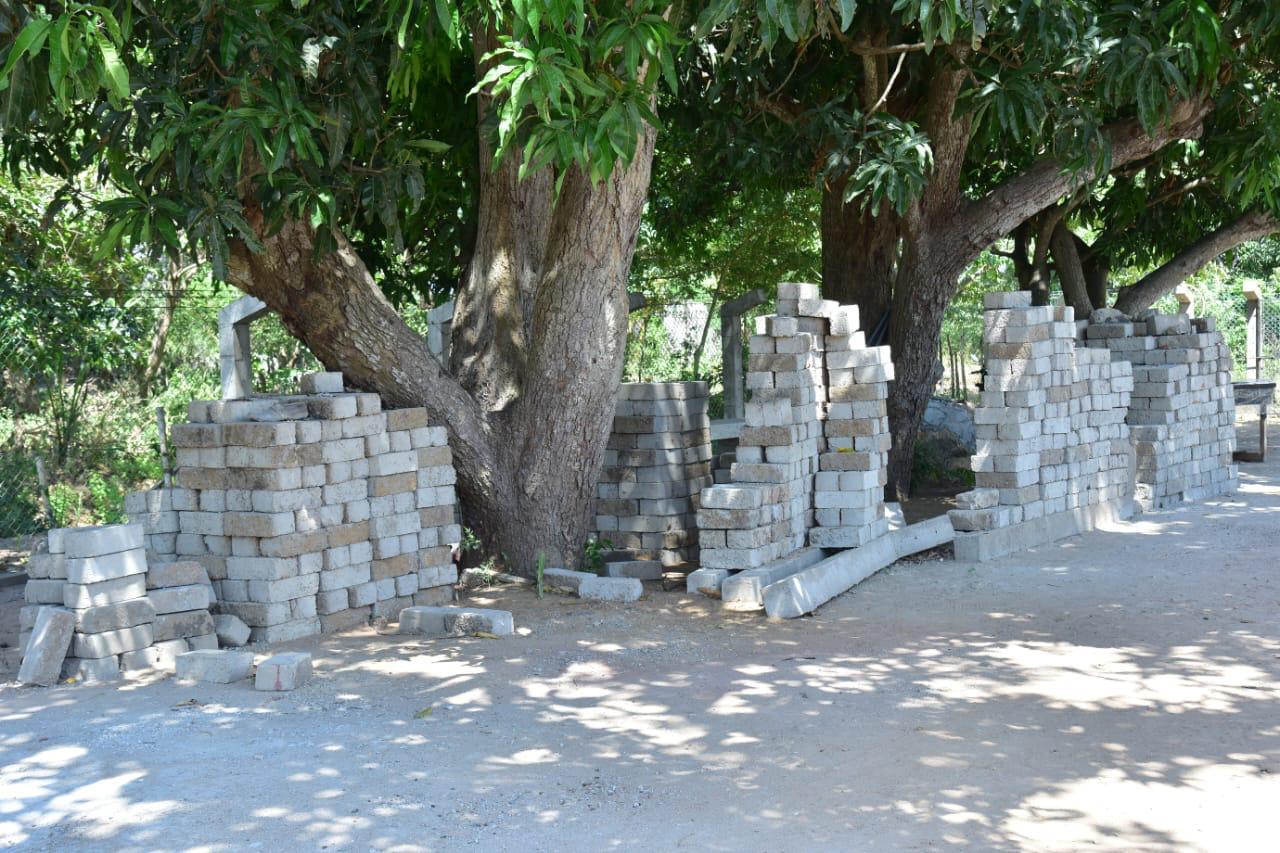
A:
(106, 589)
(311, 512)
(46, 578)
(1050, 426)
(657, 461)
(810, 466)
(849, 488)
(1182, 413)
(181, 593)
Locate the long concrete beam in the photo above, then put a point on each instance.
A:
(807, 590)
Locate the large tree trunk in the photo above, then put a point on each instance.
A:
(529, 442)
(1165, 278)
(859, 255)
(926, 283)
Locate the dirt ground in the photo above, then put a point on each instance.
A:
(1116, 690)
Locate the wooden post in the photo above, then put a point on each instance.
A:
(42, 478)
(163, 431)
(735, 406)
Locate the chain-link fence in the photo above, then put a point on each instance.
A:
(23, 510)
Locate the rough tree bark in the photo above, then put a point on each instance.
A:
(1066, 260)
(1165, 278)
(859, 255)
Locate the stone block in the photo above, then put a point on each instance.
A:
(80, 596)
(180, 573)
(177, 626)
(706, 581)
(44, 591)
(112, 617)
(321, 383)
(231, 630)
(86, 570)
(218, 666)
(91, 670)
(284, 671)
(176, 599)
(455, 621)
(610, 589)
(105, 643)
(47, 647)
(162, 656)
(646, 570)
(82, 542)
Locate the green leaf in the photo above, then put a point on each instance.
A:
(117, 76)
(29, 41)
(847, 9)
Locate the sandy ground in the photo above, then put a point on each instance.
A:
(1119, 690)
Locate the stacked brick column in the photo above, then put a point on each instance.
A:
(810, 463)
(1182, 414)
(107, 590)
(849, 488)
(311, 512)
(657, 462)
(1050, 427)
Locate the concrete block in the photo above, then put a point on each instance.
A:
(610, 589)
(43, 591)
(81, 542)
(176, 599)
(564, 579)
(180, 573)
(321, 383)
(455, 621)
(91, 670)
(231, 630)
(106, 643)
(214, 666)
(79, 596)
(162, 656)
(706, 581)
(47, 648)
(284, 671)
(648, 570)
(176, 626)
(111, 617)
(84, 570)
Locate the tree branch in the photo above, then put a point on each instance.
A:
(981, 222)
(1165, 278)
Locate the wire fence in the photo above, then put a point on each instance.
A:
(23, 509)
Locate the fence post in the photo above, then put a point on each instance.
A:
(735, 406)
(42, 478)
(1253, 329)
(163, 430)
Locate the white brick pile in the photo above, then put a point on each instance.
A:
(1182, 415)
(849, 488)
(106, 589)
(658, 460)
(311, 512)
(810, 462)
(1051, 422)
(183, 592)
